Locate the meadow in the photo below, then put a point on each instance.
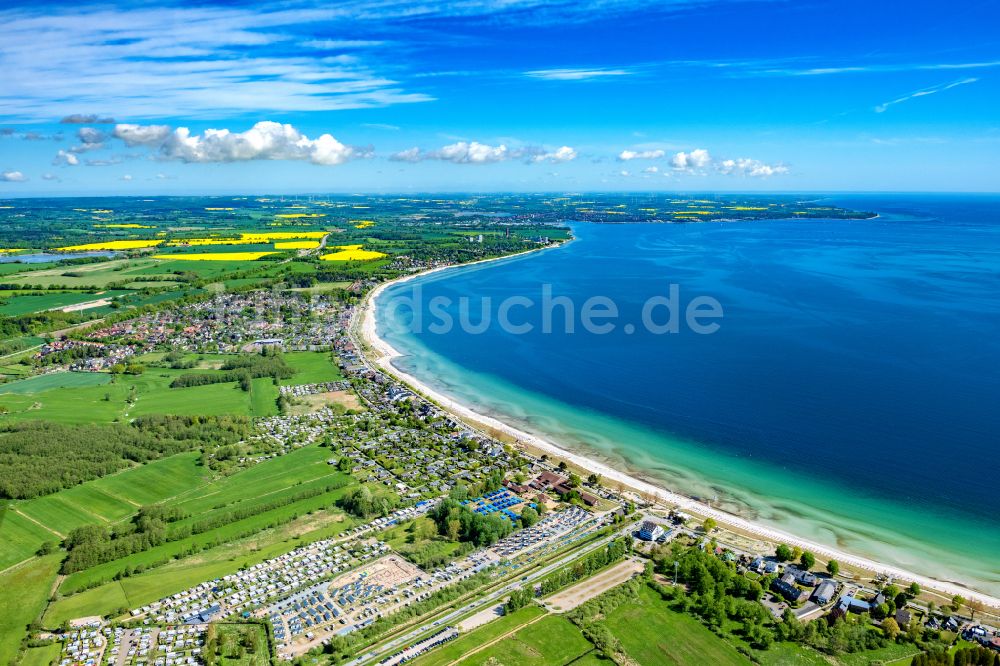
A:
(25, 591)
(36, 302)
(83, 397)
(651, 633)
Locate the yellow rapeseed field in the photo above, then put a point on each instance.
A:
(347, 247)
(290, 216)
(215, 256)
(111, 245)
(363, 224)
(296, 245)
(268, 236)
(353, 255)
(123, 226)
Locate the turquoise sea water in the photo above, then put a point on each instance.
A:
(850, 394)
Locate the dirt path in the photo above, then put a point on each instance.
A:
(42, 525)
(496, 640)
(572, 597)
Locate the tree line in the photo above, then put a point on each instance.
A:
(40, 458)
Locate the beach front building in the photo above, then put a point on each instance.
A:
(785, 586)
(825, 593)
(649, 531)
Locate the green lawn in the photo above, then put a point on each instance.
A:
(465, 644)
(551, 641)
(42, 656)
(312, 368)
(19, 538)
(107, 499)
(55, 380)
(19, 305)
(25, 591)
(651, 633)
(263, 397)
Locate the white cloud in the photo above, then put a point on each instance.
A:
(471, 152)
(652, 170)
(154, 62)
(127, 177)
(50, 176)
(266, 140)
(881, 108)
(627, 155)
(696, 159)
(65, 157)
(13, 177)
(745, 166)
(575, 74)
(409, 155)
(382, 126)
(563, 154)
(141, 135)
(334, 44)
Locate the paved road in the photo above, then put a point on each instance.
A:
(406, 639)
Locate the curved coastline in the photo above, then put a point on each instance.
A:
(383, 354)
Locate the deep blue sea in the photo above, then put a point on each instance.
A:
(850, 393)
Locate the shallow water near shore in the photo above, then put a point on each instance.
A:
(848, 396)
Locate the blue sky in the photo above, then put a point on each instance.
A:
(485, 95)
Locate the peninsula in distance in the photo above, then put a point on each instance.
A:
(497, 334)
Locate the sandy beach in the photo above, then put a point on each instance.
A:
(382, 354)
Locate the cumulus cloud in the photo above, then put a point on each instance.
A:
(696, 159)
(65, 157)
(141, 135)
(13, 177)
(562, 154)
(473, 152)
(127, 177)
(409, 155)
(90, 139)
(753, 168)
(575, 74)
(50, 176)
(628, 155)
(651, 170)
(86, 119)
(266, 140)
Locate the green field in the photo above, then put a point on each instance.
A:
(88, 397)
(55, 380)
(23, 304)
(651, 633)
(25, 591)
(101, 501)
(466, 643)
(98, 274)
(42, 656)
(312, 368)
(275, 480)
(551, 641)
